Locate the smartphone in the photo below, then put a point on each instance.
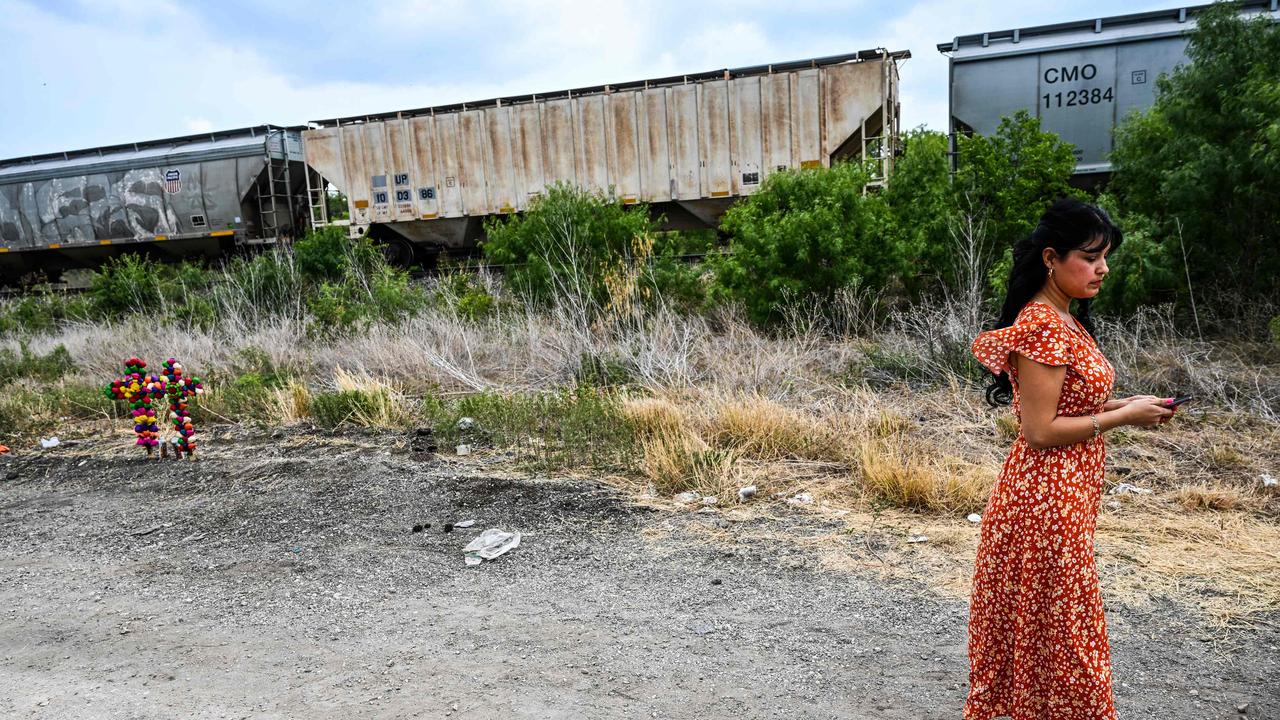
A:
(1178, 401)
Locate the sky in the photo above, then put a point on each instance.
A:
(83, 73)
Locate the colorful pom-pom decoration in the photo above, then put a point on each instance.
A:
(140, 389)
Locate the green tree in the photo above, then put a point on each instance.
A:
(1002, 185)
(806, 234)
(1203, 163)
(1009, 178)
(921, 198)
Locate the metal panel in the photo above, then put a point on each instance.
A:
(713, 102)
(1076, 99)
(851, 95)
(471, 162)
(707, 137)
(1137, 67)
(775, 103)
(448, 146)
(682, 111)
(426, 192)
(501, 162)
(748, 126)
(806, 116)
(656, 183)
(593, 160)
(323, 152)
(357, 189)
(142, 192)
(221, 198)
(624, 151)
(401, 171)
(188, 201)
(983, 93)
(559, 155)
(527, 149)
(240, 143)
(379, 173)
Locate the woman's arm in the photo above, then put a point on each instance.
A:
(1040, 387)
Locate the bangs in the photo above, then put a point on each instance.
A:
(1100, 242)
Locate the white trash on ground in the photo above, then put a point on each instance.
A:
(974, 518)
(50, 443)
(918, 538)
(687, 497)
(465, 423)
(1128, 489)
(710, 500)
(464, 449)
(1268, 480)
(803, 498)
(464, 524)
(491, 543)
(746, 493)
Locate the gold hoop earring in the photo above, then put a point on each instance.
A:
(1050, 273)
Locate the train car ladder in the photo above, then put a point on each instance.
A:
(275, 201)
(317, 199)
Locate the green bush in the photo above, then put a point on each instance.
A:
(41, 310)
(244, 392)
(807, 234)
(267, 283)
(328, 255)
(126, 284)
(1203, 163)
(1143, 270)
(1008, 179)
(921, 198)
(25, 364)
(83, 402)
(579, 427)
(351, 304)
(461, 291)
(352, 407)
(569, 242)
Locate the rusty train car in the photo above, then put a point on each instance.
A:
(423, 180)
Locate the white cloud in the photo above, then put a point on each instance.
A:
(199, 125)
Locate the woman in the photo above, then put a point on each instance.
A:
(1038, 646)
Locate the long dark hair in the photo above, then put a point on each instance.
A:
(1067, 225)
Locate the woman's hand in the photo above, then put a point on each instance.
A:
(1118, 403)
(1146, 412)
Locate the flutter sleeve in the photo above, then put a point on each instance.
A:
(1036, 335)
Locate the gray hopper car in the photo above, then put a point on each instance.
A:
(688, 145)
(1080, 78)
(181, 197)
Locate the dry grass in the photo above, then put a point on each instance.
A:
(911, 476)
(1226, 564)
(766, 430)
(679, 462)
(718, 404)
(654, 417)
(290, 404)
(372, 401)
(1206, 497)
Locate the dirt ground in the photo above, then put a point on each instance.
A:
(278, 577)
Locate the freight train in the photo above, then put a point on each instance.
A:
(423, 181)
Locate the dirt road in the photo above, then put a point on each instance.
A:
(279, 578)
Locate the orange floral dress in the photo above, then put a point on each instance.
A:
(1038, 647)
